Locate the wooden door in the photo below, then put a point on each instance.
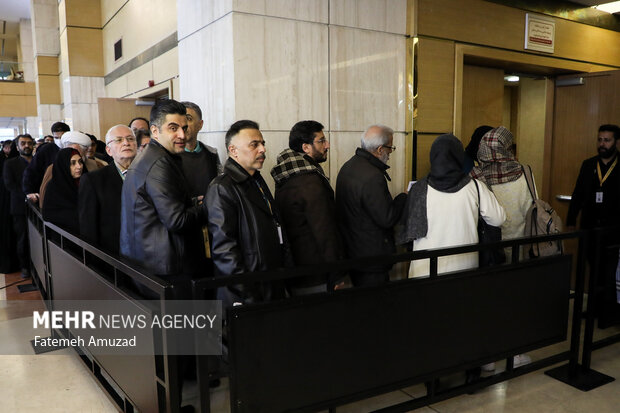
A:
(116, 111)
(578, 113)
(483, 99)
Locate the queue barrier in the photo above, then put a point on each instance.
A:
(324, 350)
(67, 268)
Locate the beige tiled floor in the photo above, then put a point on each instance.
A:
(59, 382)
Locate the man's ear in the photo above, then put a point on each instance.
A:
(306, 148)
(154, 131)
(107, 150)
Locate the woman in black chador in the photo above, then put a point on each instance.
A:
(8, 253)
(61, 196)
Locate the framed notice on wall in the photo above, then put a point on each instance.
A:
(539, 33)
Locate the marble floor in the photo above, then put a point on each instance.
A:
(59, 382)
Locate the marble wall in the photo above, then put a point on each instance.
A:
(26, 51)
(340, 62)
(45, 42)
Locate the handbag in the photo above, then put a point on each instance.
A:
(486, 234)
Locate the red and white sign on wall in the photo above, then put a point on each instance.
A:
(539, 33)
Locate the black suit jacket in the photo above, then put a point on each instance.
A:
(99, 207)
(595, 214)
(12, 175)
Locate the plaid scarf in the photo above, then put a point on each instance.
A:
(496, 162)
(291, 163)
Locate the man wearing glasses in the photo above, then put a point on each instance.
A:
(99, 203)
(306, 199)
(367, 213)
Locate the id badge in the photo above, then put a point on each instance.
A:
(599, 197)
(280, 234)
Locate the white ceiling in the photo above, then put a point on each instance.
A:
(13, 10)
(584, 2)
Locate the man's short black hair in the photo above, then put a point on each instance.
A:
(611, 128)
(238, 126)
(138, 118)
(24, 135)
(194, 107)
(141, 134)
(60, 127)
(165, 107)
(303, 132)
(93, 138)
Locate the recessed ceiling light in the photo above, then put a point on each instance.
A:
(613, 7)
(511, 78)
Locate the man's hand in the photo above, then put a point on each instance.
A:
(34, 198)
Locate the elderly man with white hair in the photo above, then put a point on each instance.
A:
(99, 198)
(367, 213)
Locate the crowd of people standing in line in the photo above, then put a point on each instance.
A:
(160, 199)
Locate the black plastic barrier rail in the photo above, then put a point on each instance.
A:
(316, 352)
(67, 268)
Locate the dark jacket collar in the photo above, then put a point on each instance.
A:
(237, 173)
(372, 159)
(155, 143)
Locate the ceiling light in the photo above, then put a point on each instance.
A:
(613, 7)
(511, 78)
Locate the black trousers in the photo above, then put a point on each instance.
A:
(23, 246)
(369, 279)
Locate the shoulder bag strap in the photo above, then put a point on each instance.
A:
(530, 181)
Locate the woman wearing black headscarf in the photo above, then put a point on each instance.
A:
(471, 151)
(442, 209)
(61, 198)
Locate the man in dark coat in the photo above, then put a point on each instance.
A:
(45, 156)
(367, 213)
(13, 175)
(99, 198)
(160, 223)
(597, 197)
(244, 222)
(200, 162)
(306, 201)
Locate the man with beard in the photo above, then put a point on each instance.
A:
(13, 174)
(597, 197)
(243, 219)
(306, 199)
(366, 209)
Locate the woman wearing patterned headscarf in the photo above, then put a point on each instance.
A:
(498, 168)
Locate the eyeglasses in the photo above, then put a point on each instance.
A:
(321, 141)
(119, 139)
(393, 148)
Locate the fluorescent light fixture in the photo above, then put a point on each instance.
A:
(511, 78)
(613, 7)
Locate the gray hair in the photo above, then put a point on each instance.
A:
(375, 139)
(108, 135)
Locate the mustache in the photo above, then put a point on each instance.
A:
(263, 157)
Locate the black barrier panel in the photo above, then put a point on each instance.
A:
(36, 254)
(134, 374)
(317, 351)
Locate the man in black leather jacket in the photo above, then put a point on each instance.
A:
(243, 219)
(160, 223)
(366, 209)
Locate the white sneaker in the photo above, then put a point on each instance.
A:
(521, 360)
(490, 367)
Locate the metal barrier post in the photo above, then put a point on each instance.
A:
(582, 376)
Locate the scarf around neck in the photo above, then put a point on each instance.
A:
(446, 175)
(291, 163)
